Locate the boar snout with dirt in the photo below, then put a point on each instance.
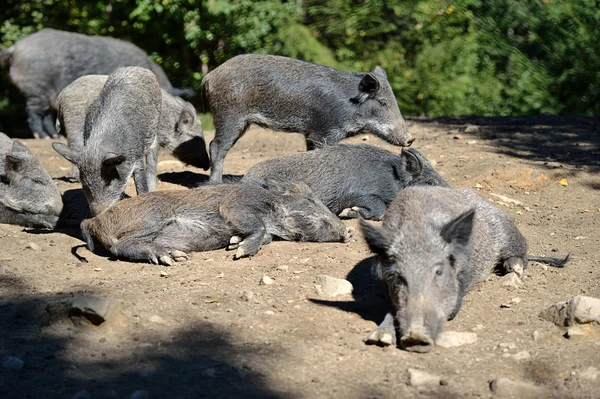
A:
(28, 196)
(179, 129)
(351, 180)
(161, 227)
(119, 138)
(289, 95)
(434, 245)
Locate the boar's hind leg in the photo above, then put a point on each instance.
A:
(369, 207)
(385, 333)
(151, 163)
(247, 226)
(36, 113)
(226, 135)
(48, 125)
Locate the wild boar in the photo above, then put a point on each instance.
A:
(285, 94)
(119, 138)
(434, 245)
(351, 180)
(28, 196)
(179, 129)
(162, 226)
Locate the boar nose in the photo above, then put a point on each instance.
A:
(410, 141)
(416, 340)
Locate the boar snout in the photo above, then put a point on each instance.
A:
(400, 134)
(347, 234)
(416, 340)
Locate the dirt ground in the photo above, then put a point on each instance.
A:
(287, 341)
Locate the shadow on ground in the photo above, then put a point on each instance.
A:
(569, 140)
(201, 360)
(192, 180)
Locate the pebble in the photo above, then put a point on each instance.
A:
(157, 319)
(266, 280)
(577, 310)
(330, 286)
(247, 295)
(269, 312)
(506, 388)
(576, 333)
(164, 274)
(33, 246)
(511, 281)
(591, 373)
(97, 309)
(471, 129)
(13, 364)
(450, 339)
(418, 378)
(471, 142)
(433, 162)
(283, 268)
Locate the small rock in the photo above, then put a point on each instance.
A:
(211, 373)
(164, 274)
(332, 286)
(247, 295)
(283, 268)
(96, 309)
(418, 378)
(449, 339)
(157, 319)
(511, 281)
(269, 312)
(433, 162)
(471, 129)
(33, 246)
(13, 363)
(591, 373)
(478, 327)
(523, 355)
(516, 300)
(266, 280)
(505, 388)
(504, 345)
(458, 137)
(577, 310)
(471, 142)
(140, 394)
(83, 394)
(576, 332)
(365, 138)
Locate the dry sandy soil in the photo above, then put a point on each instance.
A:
(287, 341)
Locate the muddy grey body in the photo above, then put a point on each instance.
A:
(351, 179)
(434, 245)
(162, 226)
(28, 196)
(179, 129)
(119, 138)
(44, 63)
(284, 94)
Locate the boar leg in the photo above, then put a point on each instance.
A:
(48, 125)
(35, 114)
(234, 241)
(140, 178)
(151, 163)
(246, 225)
(369, 207)
(385, 333)
(226, 135)
(141, 248)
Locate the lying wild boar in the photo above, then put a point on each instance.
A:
(179, 129)
(164, 225)
(434, 245)
(285, 94)
(28, 196)
(350, 180)
(119, 138)
(44, 63)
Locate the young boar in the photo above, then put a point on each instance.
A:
(179, 129)
(351, 180)
(285, 94)
(119, 138)
(28, 196)
(44, 63)
(164, 225)
(434, 245)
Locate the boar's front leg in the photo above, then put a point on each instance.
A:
(385, 333)
(247, 226)
(48, 125)
(151, 164)
(369, 207)
(35, 115)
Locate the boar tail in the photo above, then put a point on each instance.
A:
(6, 56)
(556, 262)
(85, 231)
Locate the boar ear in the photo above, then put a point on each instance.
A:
(19, 147)
(374, 238)
(276, 186)
(66, 152)
(412, 162)
(369, 84)
(458, 231)
(186, 118)
(14, 162)
(379, 71)
(300, 188)
(112, 160)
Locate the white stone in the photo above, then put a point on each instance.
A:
(266, 280)
(591, 373)
(418, 378)
(247, 295)
(332, 286)
(157, 319)
(511, 281)
(577, 310)
(450, 339)
(33, 246)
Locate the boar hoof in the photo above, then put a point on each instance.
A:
(348, 213)
(179, 256)
(416, 342)
(348, 235)
(234, 242)
(240, 253)
(166, 260)
(378, 337)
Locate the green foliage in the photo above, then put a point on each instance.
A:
(492, 57)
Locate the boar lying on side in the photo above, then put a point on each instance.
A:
(28, 196)
(44, 63)
(434, 245)
(119, 138)
(163, 225)
(285, 94)
(179, 129)
(350, 180)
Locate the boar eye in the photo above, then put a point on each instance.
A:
(439, 271)
(383, 103)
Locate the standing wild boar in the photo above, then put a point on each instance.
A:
(351, 180)
(162, 226)
(434, 245)
(179, 129)
(44, 63)
(28, 196)
(119, 138)
(285, 94)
